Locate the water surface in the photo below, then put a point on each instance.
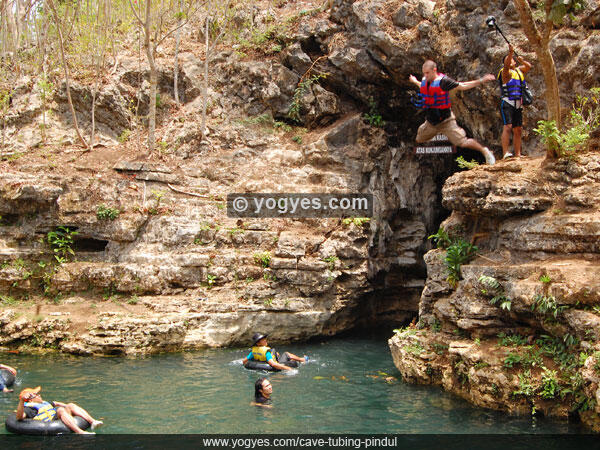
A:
(342, 389)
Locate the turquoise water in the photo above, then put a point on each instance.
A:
(210, 392)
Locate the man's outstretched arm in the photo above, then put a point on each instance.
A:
(466, 85)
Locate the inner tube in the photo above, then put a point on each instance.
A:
(40, 428)
(7, 377)
(262, 365)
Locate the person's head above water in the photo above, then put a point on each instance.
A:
(259, 339)
(29, 394)
(263, 388)
(430, 70)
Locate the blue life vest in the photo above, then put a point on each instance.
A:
(513, 89)
(45, 410)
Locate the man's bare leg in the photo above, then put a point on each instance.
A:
(76, 410)
(517, 132)
(69, 421)
(296, 358)
(506, 132)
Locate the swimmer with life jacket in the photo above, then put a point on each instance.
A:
(32, 406)
(261, 351)
(3, 382)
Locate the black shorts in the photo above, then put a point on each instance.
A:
(511, 115)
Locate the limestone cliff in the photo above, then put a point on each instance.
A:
(521, 330)
(171, 270)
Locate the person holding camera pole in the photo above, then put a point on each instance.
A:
(512, 82)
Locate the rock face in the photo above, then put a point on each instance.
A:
(520, 331)
(158, 265)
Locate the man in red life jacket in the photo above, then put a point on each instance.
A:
(435, 93)
(512, 83)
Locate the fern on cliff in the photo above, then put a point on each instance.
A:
(458, 253)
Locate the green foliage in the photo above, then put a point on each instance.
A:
(210, 280)
(415, 348)
(303, 86)
(562, 8)
(263, 259)
(435, 325)
(531, 357)
(297, 139)
(441, 239)
(560, 350)
(45, 87)
(8, 300)
(331, 260)
(512, 359)
(464, 164)
(133, 300)
(514, 340)
(545, 278)
(583, 119)
(268, 301)
(107, 213)
(491, 287)
(233, 231)
(373, 117)
(440, 349)
(404, 332)
(124, 136)
(526, 388)
(357, 221)
(458, 253)
(550, 387)
(60, 241)
(547, 305)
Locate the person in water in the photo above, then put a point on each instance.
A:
(262, 393)
(262, 352)
(32, 406)
(12, 370)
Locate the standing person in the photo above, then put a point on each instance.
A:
(434, 89)
(3, 381)
(32, 406)
(511, 79)
(262, 393)
(261, 351)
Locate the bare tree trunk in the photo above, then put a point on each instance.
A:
(205, 84)
(66, 70)
(541, 46)
(153, 77)
(177, 39)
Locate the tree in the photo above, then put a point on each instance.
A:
(218, 14)
(66, 70)
(553, 13)
(157, 23)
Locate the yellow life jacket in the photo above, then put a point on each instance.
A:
(513, 88)
(45, 411)
(260, 353)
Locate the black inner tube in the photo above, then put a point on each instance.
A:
(33, 427)
(261, 365)
(7, 377)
